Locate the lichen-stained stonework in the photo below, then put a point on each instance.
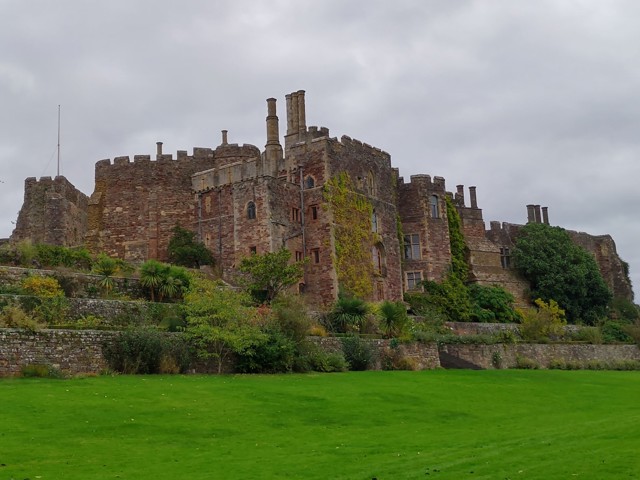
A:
(240, 200)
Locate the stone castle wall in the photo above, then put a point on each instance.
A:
(53, 212)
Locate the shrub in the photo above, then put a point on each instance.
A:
(526, 363)
(591, 335)
(185, 250)
(543, 323)
(623, 310)
(496, 359)
(274, 355)
(492, 304)
(146, 350)
(313, 358)
(614, 332)
(392, 358)
(41, 286)
(394, 321)
(290, 317)
(40, 371)
(348, 315)
(16, 317)
(357, 352)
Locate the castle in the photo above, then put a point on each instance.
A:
(240, 200)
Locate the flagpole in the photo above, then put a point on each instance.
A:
(58, 141)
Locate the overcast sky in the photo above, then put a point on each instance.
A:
(532, 102)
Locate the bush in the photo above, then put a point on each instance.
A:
(357, 352)
(623, 310)
(313, 358)
(41, 286)
(146, 350)
(591, 335)
(492, 304)
(275, 354)
(543, 323)
(40, 371)
(614, 332)
(391, 358)
(526, 363)
(290, 317)
(394, 321)
(348, 315)
(16, 317)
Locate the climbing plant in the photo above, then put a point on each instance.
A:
(353, 236)
(459, 266)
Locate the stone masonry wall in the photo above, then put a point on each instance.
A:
(71, 351)
(53, 212)
(484, 356)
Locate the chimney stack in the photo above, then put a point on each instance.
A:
(158, 150)
(460, 193)
(538, 217)
(224, 137)
(545, 215)
(472, 196)
(531, 216)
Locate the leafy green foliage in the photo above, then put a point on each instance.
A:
(492, 304)
(185, 250)
(276, 354)
(623, 310)
(545, 322)
(271, 272)
(615, 332)
(357, 352)
(13, 316)
(348, 314)
(394, 321)
(106, 267)
(163, 281)
(459, 249)
(558, 269)
(220, 322)
(146, 350)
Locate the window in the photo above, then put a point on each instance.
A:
(295, 214)
(299, 256)
(505, 257)
(309, 182)
(435, 210)
(412, 247)
(253, 250)
(379, 260)
(413, 280)
(315, 255)
(370, 187)
(314, 212)
(374, 222)
(251, 210)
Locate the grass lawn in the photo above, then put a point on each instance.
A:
(507, 424)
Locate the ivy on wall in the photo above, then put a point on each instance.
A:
(459, 265)
(353, 235)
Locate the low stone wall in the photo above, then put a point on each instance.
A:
(78, 285)
(80, 351)
(112, 313)
(423, 356)
(506, 355)
(71, 351)
(473, 328)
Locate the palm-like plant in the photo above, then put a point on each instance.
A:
(348, 314)
(394, 320)
(152, 273)
(106, 267)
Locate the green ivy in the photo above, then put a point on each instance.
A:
(352, 234)
(459, 249)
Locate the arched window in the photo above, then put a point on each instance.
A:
(379, 259)
(309, 182)
(434, 204)
(370, 186)
(374, 222)
(251, 210)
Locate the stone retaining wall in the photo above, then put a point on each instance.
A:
(80, 351)
(506, 356)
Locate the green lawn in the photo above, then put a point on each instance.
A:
(389, 425)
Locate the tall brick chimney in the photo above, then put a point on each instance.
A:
(273, 149)
(531, 215)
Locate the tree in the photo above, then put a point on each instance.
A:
(163, 281)
(394, 321)
(220, 321)
(106, 267)
(186, 251)
(557, 269)
(271, 272)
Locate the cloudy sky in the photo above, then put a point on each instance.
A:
(532, 102)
